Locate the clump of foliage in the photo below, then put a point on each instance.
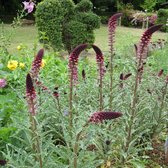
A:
(65, 24)
(162, 18)
(69, 123)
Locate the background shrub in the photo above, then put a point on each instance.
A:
(162, 18)
(66, 25)
(84, 6)
(49, 16)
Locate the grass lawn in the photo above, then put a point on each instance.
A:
(125, 37)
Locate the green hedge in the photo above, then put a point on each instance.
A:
(162, 19)
(66, 25)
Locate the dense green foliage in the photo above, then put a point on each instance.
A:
(66, 25)
(100, 144)
(162, 18)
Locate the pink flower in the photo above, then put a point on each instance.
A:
(3, 83)
(98, 117)
(29, 6)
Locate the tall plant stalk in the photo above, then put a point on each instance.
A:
(101, 70)
(73, 74)
(141, 52)
(112, 24)
(31, 99)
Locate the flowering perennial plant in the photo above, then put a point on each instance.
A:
(112, 24)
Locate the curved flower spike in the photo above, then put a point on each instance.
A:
(99, 59)
(73, 60)
(37, 64)
(144, 42)
(99, 117)
(30, 94)
(112, 24)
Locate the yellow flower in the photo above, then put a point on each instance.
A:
(21, 65)
(43, 63)
(12, 64)
(19, 47)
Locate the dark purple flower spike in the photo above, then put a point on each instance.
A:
(141, 51)
(37, 64)
(30, 94)
(101, 68)
(142, 48)
(145, 40)
(100, 60)
(112, 25)
(99, 117)
(73, 60)
(31, 100)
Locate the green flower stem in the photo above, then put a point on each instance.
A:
(111, 79)
(75, 150)
(70, 100)
(100, 91)
(35, 137)
(133, 110)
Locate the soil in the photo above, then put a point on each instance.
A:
(157, 155)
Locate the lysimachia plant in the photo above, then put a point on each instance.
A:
(65, 119)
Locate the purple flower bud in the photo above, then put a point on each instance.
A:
(127, 76)
(55, 93)
(121, 76)
(83, 74)
(3, 83)
(160, 73)
(3, 162)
